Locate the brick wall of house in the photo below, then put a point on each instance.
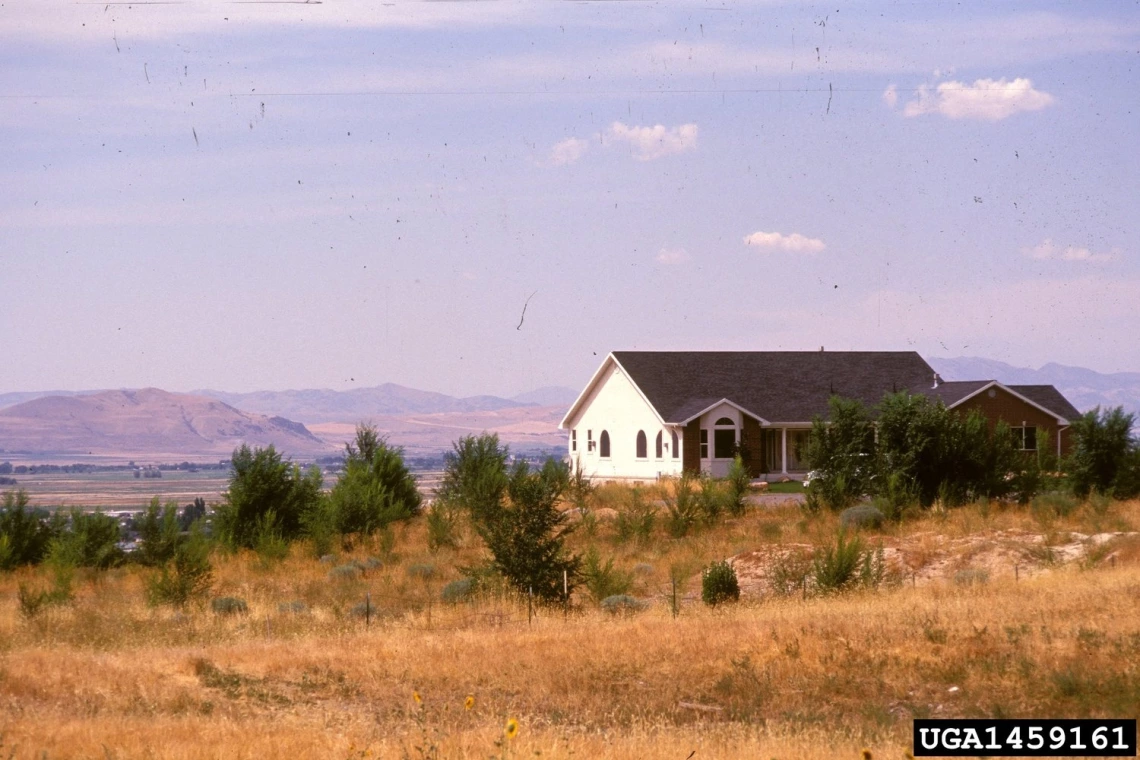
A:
(1003, 405)
(691, 448)
(752, 441)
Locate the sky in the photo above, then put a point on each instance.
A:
(488, 197)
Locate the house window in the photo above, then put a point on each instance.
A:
(573, 440)
(797, 449)
(1024, 438)
(676, 446)
(642, 445)
(589, 441)
(660, 445)
(704, 444)
(604, 445)
(773, 456)
(724, 439)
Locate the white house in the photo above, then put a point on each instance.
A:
(647, 414)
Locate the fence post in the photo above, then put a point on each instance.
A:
(674, 597)
(529, 601)
(1016, 572)
(368, 610)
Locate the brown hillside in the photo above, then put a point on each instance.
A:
(147, 421)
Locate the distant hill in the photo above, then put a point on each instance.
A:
(550, 395)
(148, 422)
(357, 404)
(1084, 387)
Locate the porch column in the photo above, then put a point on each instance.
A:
(783, 451)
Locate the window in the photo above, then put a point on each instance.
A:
(704, 444)
(660, 445)
(589, 441)
(573, 440)
(642, 445)
(676, 447)
(773, 456)
(1024, 438)
(797, 449)
(604, 445)
(724, 441)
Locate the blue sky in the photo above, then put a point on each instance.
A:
(248, 195)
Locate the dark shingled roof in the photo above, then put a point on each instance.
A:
(1048, 397)
(778, 386)
(951, 392)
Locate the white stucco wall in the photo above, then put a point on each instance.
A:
(616, 406)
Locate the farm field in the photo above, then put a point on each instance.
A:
(116, 490)
(986, 610)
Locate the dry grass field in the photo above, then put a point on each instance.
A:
(1046, 623)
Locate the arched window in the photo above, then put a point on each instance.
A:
(642, 445)
(725, 421)
(676, 446)
(604, 445)
(724, 439)
(657, 452)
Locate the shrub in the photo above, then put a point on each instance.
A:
(1102, 443)
(458, 591)
(836, 566)
(527, 535)
(159, 533)
(861, 516)
(262, 483)
(32, 601)
(738, 482)
(841, 452)
(91, 540)
(442, 526)
(344, 573)
(788, 571)
(711, 499)
(1054, 504)
(601, 579)
(636, 520)
(375, 488)
(623, 604)
(27, 533)
(228, 605)
(423, 572)
(268, 543)
(719, 584)
(683, 507)
(186, 576)
(475, 476)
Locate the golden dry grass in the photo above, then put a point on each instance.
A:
(789, 678)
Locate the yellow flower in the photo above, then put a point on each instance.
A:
(469, 702)
(417, 698)
(512, 729)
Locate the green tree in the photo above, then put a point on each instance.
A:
(841, 450)
(186, 575)
(375, 488)
(25, 532)
(526, 534)
(159, 533)
(1102, 445)
(91, 540)
(475, 476)
(262, 483)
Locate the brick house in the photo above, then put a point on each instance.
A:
(647, 414)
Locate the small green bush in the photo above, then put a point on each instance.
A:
(837, 566)
(719, 584)
(623, 604)
(458, 591)
(344, 573)
(738, 482)
(861, 516)
(229, 605)
(443, 526)
(683, 508)
(637, 520)
(423, 571)
(1054, 504)
(601, 578)
(186, 576)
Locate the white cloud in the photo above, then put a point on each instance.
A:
(795, 242)
(649, 143)
(891, 95)
(987, 99)
(568, 151)
(1048, 250)
(672, 256)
